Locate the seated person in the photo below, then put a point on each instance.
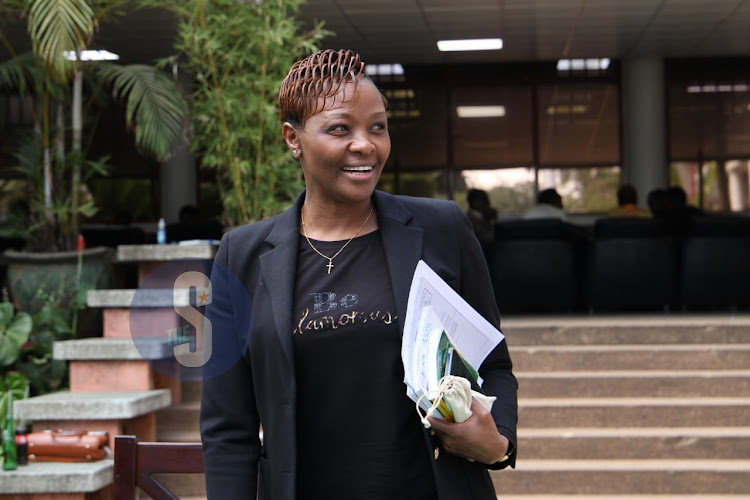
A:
(627, 204)
(482, 216)
(549, 206)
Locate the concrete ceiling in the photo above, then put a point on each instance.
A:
(406, 31)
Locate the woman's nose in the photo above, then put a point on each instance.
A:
(362, 144)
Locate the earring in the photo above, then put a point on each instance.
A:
(294, 152)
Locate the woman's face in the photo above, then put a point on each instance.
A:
(343, 147)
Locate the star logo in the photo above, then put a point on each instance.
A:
(203, 297)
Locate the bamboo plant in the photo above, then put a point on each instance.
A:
(237, 54)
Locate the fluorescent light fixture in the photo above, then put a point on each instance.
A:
(480, 111)
(92, 55)
(591, 64)
(473, 44)
(384, 69)
(710, 88)
(574, 109)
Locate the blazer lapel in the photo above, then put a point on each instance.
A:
(279, 267)
(403, 247)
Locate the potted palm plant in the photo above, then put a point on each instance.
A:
(52, 156)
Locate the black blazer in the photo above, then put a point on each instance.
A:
(261, 387)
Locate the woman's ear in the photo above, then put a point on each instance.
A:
(291, 137)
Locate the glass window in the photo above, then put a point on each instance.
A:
(717, 186)
(428, 184)
(510, 190)
(492, 126)
(709, 121)
(416, 125)
(583, 189)
(578, 123)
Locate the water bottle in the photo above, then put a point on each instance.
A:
(161, 232)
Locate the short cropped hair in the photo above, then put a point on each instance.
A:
(550, 197)
(316, 79)
(627, 195)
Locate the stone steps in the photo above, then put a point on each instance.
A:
(637, 407)
(627, 329)
(615, 408)
(630, 384)
(639, 412)
(631, 357)
(619, 497)
(635, 443)
(621, 477)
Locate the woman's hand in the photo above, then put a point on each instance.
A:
(476, 438)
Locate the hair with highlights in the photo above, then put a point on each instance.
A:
(314, 81)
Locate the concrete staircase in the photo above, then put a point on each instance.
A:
(631, 408)
(611, 408)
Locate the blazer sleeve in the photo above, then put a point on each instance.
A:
(497, 368)
(229, 421)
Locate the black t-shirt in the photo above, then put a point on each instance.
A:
(358, 434)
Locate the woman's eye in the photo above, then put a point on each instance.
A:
(337, 128)
(379, 126)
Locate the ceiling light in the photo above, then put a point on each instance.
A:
(591, 64)
(384, 69)
(475, 44)
(91, 55)
(480, 111)
(574, 109)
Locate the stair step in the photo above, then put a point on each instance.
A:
(631, 357)
(702, 496)
(621, 383)
(633, 442)
(629, 412)
(180, 419)
(627, 329)
(638, 476)
(65, 405)
(191, 391)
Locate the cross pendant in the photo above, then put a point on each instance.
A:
(329, 265)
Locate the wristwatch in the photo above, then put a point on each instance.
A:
(508, 453)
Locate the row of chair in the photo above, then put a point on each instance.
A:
(621, 265)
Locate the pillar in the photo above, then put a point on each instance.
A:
(179, 184)
(644, 137)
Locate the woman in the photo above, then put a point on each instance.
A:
(328, 281)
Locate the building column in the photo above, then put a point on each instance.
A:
(179, 184)
(644, 136)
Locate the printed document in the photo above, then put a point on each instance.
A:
(434, 310)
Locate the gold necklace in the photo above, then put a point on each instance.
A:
(330, 259)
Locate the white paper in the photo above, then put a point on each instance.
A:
(433, 306)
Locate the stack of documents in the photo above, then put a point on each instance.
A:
(443, 335)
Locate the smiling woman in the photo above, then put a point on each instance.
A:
(338, 130)
(328, 283)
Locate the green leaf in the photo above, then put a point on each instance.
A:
(57, 26)
(154, 106)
